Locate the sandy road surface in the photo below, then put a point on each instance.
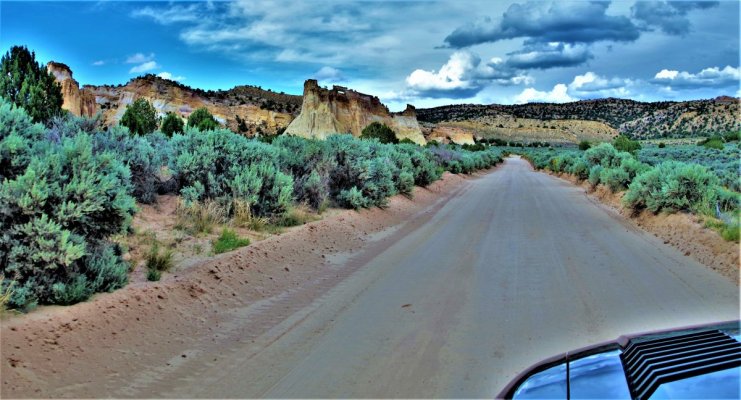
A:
(514, 267)
(518, 267)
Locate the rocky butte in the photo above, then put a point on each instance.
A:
(340, 110)
(76, 101)
(245, 109)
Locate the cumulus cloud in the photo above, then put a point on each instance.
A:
(559, 94)
(591, 85)
(568, 22)
(98, 63)
(549, 55)
(144, 67)
(170, 76)
(463, 75)
(328, 74)
(669, 16)
(707, 78)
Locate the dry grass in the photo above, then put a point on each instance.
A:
(201, 217)
(243, 217)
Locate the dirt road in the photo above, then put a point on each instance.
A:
(518, 267)
(514, 267)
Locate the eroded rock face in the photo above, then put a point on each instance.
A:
(339, 110)
(166, 96)
(78, 102)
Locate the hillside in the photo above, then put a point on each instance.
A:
(637, 119)
(246, 109)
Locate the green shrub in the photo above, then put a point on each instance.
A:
(713, 143)
(202, 120)
(624, 143)
(59, 204)
(221, 165)
(580, 169)
(228, 241)
(171, 124)
(377, 130)
(615, 178)
(153, 275)
(595, 174)
(662, 145)
(140, 117)
(673, 186)
(353, 198)
(584, 145)
(27, 84)
(159, 261)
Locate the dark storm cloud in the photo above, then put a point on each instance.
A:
(669, 16)
(551, 55)
(542, 22)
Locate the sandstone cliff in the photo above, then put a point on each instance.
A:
(245, 109)
(340, 110)
(78, 102)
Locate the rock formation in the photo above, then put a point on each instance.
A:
(78, 102)
(340, 110)
(250, 105)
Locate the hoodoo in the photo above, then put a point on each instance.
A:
(341, 110)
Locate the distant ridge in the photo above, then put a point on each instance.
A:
(630, 117)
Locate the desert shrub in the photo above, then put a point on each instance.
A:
(673, 186)
(140, 117)
(144, 155)
(595, 174)
(728, 200)
(228, 241)
(19, 137)
(221, 165)
(315, 190)
(353, 198)
(580, 169)
(171, 124)
(624, 143)
(603, 154)
(615, 178)
(59, 204)
(715, 143)
(424, 169)
(379, 131)
(662, 145)
(584, 145)
(202, 120)
(27, 84)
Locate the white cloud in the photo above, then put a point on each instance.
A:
(708, 77)
(171, 15)
(139, 58)
(591, 85)
(144, 67)
(170, 76)
(559, 94)
(328, 74)
(463, 75)
(98, 63)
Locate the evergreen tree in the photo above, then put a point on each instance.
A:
(202, 120)
(26, 83)
(140, 117)
(379, 131)
(171, 125)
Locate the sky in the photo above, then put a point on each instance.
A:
(426, 53)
